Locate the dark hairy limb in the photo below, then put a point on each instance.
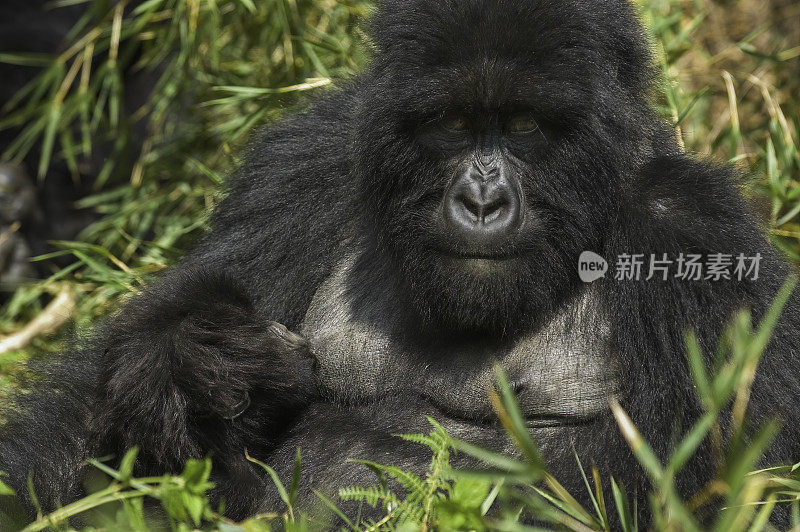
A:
(186, 370)
(185, 363)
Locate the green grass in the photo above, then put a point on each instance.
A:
(730, 87)
(733, 93)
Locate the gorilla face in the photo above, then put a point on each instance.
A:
(491, 164)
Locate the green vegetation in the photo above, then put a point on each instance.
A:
(224, 68)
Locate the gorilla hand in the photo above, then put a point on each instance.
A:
(192, 368)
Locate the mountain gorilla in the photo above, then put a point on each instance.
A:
(411, 229)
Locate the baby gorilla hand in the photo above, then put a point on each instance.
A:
(286, 378)
(231, 361)
(191, 368)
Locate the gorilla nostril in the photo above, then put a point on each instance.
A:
(494, 209)
(479, 211)
(472, 206)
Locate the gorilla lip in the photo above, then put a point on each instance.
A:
(493, 257)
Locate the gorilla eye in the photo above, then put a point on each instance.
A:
(522, 124)
(454, 123)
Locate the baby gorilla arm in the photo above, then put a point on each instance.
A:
(192, 368)
(188, 369)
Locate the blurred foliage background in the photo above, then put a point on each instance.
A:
(148, 104)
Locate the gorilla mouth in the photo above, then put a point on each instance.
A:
(496, 249)
(479, 264)
(478, 257)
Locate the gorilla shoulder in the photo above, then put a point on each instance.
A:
(687, 205)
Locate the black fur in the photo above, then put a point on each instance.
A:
(172, 371)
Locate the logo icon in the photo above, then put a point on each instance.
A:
(591, 267)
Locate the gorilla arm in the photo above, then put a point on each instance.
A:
(180, 361)
(182, 372)
(677, 205)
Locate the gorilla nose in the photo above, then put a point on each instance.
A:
(483, 205)
(482, 208)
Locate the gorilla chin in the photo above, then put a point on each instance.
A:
(496, 296)
(479, 266)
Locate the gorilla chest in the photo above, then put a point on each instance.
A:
(563, 370)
